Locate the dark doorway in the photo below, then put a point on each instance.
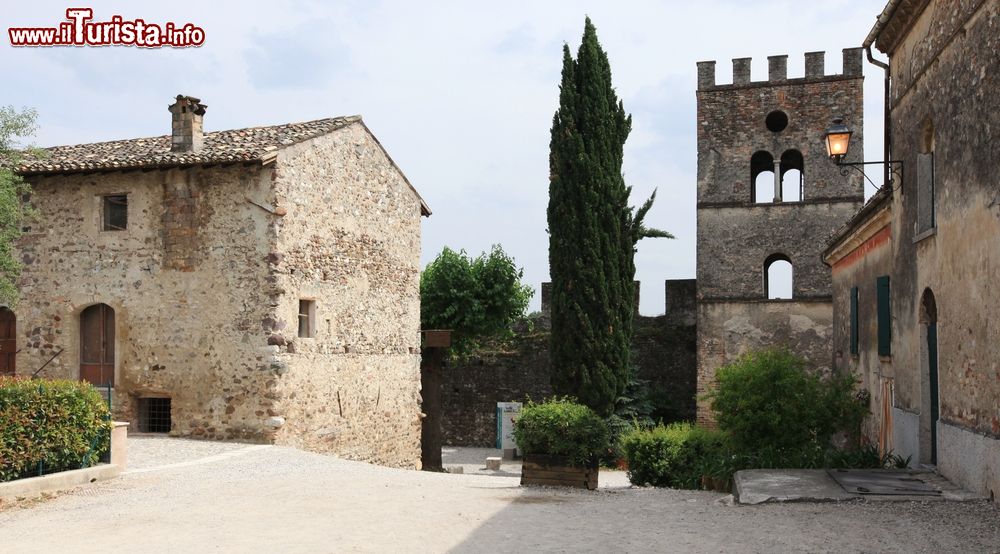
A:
(97, 345)
(8, 341)
(928, 317)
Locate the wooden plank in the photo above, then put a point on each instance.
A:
(546, 474)
(554, 482)
(554, 467)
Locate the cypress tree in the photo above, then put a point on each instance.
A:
(592, 232)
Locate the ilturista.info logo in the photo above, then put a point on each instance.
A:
(79, 29)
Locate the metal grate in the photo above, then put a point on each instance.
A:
(154, 415)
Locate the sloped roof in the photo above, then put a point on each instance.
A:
(254, 144)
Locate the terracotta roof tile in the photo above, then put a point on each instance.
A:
(237, 145)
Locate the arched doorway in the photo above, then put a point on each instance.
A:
(8, 341)
(97, 345)
(929, 372)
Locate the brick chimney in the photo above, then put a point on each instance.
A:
(185, 124)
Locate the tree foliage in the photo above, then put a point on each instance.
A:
(475, 298)
(14, 125)
(770, 398)
(593, 232)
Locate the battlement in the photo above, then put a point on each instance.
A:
(777, 70)
(679, 300)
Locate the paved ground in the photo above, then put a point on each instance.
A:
(185, 496)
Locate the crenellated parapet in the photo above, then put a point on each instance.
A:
(777, 70)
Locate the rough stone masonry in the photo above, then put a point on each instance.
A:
(260, 284)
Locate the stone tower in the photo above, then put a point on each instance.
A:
(768, 194)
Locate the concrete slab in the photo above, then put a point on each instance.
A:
(756, 486)
(889, 482)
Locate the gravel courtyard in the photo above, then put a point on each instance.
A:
(188, 496)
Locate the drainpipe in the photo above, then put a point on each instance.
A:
(887, 140)
(880, 23)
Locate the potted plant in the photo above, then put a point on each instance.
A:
(562, 442)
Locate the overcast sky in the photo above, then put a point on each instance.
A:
(461, 94)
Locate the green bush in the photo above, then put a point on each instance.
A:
(52, 425)
(632, 409)
(675, 455)
(769, 399)
(561, 427)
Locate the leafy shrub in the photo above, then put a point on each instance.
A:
(561, 427)
(674, 455)
(59, 424)
(768, 399)
(632, 409)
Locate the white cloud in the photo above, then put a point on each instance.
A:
(461, 93)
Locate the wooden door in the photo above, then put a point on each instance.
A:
(97, 345)
(933, 375)
(8, 341)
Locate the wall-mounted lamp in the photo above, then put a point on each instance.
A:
(838, 141)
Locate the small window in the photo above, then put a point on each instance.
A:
(854, 320)
(884, 316)
(307, 319)
(762, 168)
(778, 277)
(115, 212)
(154, 415)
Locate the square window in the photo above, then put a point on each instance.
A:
(115, 212)
(307, 319)
(154, 415)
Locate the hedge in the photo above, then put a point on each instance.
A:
(49, 426)
(674, 456)
(561, 427)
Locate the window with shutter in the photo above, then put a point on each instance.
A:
(925, 192)
(854, 320)
(884, 316)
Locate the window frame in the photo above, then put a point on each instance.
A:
(884, 316)
(854, 322)
(306, 318)
(106, 202)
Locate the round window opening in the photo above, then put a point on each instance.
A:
(776, 121)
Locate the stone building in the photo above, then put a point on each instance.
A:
(915, 274)
(769, 197)
(256, 284)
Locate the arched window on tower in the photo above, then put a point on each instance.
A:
(778, 277)
(792, 171)
(762, 177)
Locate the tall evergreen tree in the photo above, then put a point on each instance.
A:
(592, 232)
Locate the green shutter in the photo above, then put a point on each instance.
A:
(884, 317)
(854, 320)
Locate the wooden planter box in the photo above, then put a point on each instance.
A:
(539, 469)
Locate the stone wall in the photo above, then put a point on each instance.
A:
(189, 291)
(663, 348)
(727, 330)
(351, 243)
(945, 71)
(865, 255)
